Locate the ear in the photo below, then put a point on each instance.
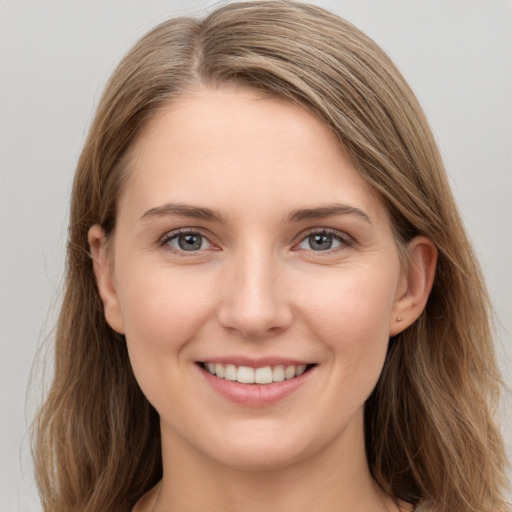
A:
(103, 271)
(416, 284)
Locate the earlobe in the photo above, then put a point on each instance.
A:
(418, 280)
(104, 278)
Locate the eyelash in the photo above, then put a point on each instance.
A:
(342, 238)
(174, 235)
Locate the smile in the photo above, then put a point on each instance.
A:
(256, 383)
(250, 375)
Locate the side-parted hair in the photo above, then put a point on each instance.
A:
(431, 439)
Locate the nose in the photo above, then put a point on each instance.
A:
(254, 302)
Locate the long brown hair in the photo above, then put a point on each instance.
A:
(430, 435)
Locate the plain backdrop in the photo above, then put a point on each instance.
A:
(55, 56)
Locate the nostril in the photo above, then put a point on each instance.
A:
(253, 307)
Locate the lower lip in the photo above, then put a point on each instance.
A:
(255, 395)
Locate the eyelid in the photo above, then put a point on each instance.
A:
(345, 239)
(164, 240)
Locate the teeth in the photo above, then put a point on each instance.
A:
(219, 370)
(245, 375)
(278, 373)
(249, 375)
(263, 375)
(230, 372)
(289, 373)
(300, 370)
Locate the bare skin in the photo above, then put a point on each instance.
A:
(244, 235)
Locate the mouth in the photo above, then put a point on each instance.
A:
(255, 375)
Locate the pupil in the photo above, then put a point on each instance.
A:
(320, 242)
(189, 242)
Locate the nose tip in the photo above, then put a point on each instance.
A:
(254, 305)
(255, 322)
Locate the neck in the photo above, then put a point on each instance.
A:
(336, 479)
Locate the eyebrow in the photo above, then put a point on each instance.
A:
(207, 214)
(183, 210)
(327, 211)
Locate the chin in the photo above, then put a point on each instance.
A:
(258, 459)
(265, 448)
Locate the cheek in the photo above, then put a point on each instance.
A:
(353, 304)
(351, 316)
(162, 310)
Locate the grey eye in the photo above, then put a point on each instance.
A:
(189, 242)
(320, 242)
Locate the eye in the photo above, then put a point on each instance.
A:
(187, 241)
(322, 241)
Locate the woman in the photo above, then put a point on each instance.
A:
(271, 301)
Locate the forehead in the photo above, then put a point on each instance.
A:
(234, 148)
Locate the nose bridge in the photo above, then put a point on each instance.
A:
(254, 301)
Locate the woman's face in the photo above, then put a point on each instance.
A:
(246, 245)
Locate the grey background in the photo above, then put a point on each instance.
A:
(55, 56)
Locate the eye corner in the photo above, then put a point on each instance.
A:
(187, 242)
(327, 241)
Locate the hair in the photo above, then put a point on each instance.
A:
(431, 437)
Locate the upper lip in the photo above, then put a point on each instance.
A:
(258, 362)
